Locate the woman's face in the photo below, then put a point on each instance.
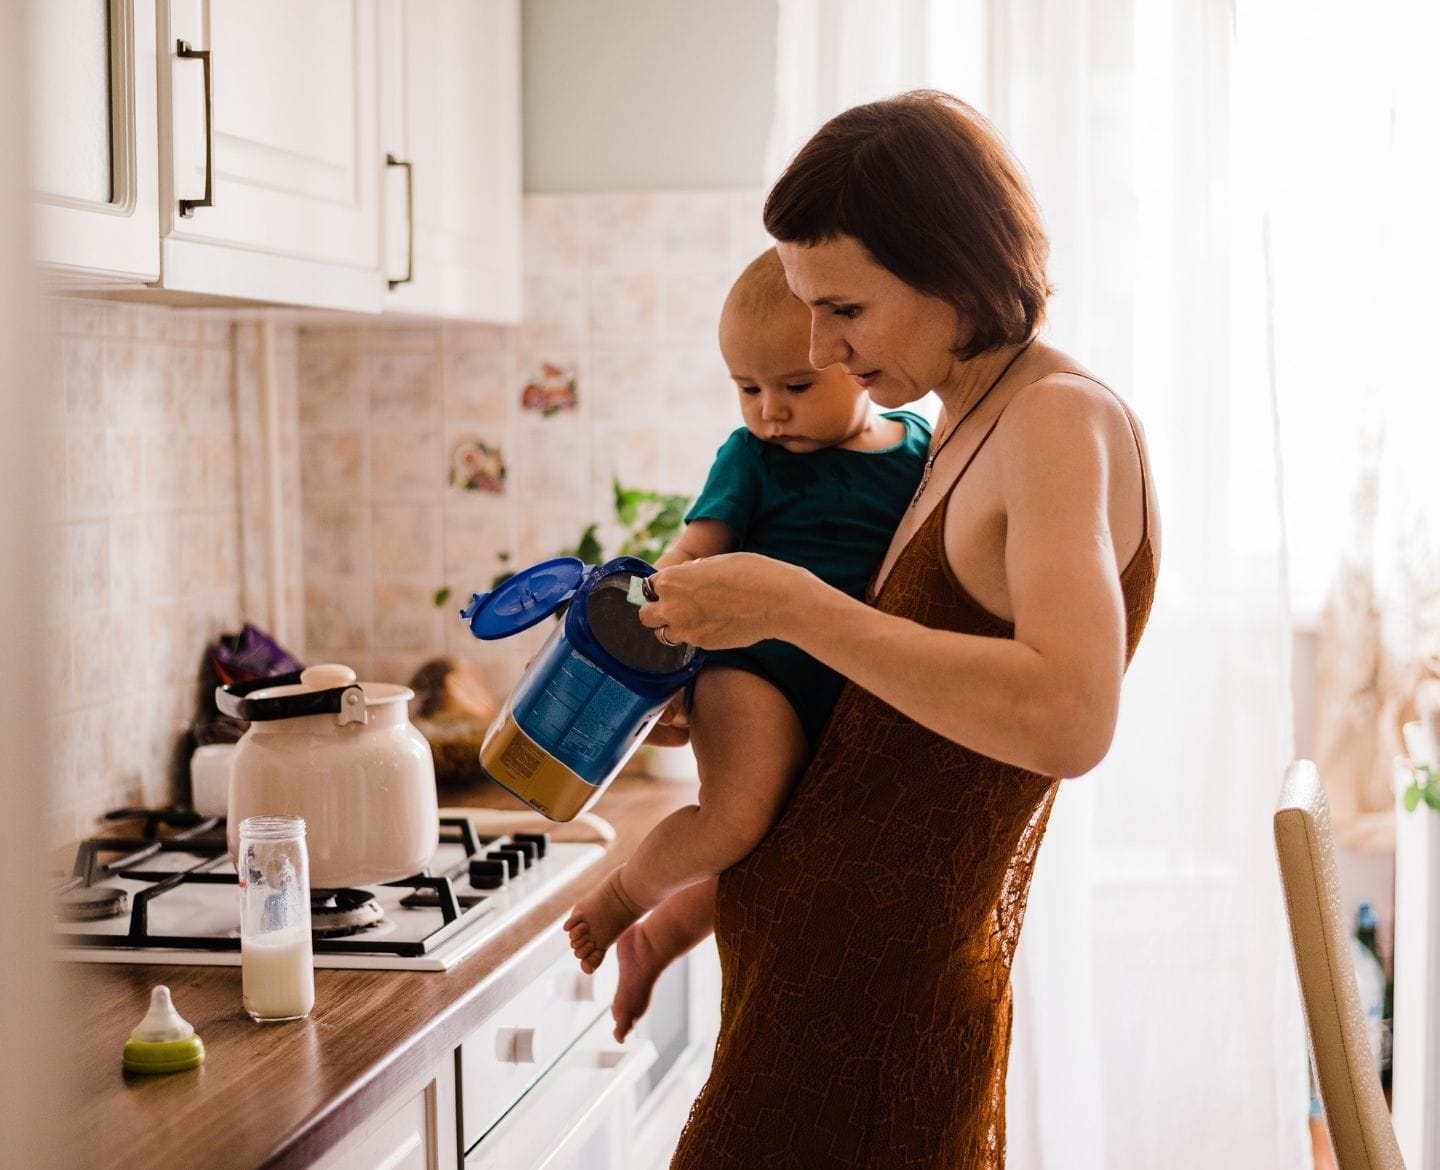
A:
(893, 340)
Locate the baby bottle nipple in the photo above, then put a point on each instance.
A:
(163, 1042)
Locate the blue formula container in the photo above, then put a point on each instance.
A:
(589, 697)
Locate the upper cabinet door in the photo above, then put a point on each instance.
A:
(271, 187)
(450, 130)
(93, 162)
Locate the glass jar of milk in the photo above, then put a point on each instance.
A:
(276, 965)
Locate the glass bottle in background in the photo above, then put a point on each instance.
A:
(276, 962)
(1370, 980)
(1365, 926)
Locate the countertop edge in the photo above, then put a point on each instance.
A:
(408, 1065)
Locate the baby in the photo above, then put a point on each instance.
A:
(816, 477)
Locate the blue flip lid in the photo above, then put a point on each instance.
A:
(519, 602)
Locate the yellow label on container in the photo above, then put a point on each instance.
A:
(517, 763)
(521, 757)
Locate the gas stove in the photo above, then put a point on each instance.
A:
(168, 895)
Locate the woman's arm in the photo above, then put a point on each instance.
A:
(1046, 700)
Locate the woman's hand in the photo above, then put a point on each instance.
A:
(721, 602)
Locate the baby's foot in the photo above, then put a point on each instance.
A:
(599, 918)
(640, 966)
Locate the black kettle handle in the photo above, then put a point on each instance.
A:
(232, 699)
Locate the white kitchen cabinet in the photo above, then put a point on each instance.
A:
(450, 131)
(682, 1023)
(346, 154)
(416, 1133)
(93, 131)
(270, 151)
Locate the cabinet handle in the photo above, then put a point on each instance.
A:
(515, 1045)
(186, 53)
(392, 161)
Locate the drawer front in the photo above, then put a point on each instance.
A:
(578, 1117)
(508, 1053)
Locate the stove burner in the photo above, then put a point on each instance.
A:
(338, 913)
(89, 903)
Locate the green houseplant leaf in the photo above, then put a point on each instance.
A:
(1424, 787)
(588, 549)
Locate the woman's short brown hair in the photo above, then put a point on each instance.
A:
(925, 183)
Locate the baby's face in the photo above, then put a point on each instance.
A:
(783, 400)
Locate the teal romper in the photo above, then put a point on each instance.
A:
(831, 511)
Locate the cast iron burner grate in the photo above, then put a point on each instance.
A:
(205, 837)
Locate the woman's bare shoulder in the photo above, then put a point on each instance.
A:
(1066, 405)
(1067, 418)
(1055, 375)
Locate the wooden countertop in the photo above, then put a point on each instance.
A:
(280, 1095)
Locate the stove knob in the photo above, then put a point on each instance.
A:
(529, 848)
(512, 860)
(522, 858)
(541, 840)
(488, 875)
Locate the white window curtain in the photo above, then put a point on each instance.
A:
(1354, 122)
(1353, 163)
(1156, 1018)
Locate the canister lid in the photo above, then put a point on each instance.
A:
(521, 601)
(326, 689)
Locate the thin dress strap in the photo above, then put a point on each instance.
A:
(877, 584)
(872, 593)
(980, 446)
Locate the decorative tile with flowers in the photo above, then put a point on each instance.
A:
(475, 466)
(551, 390)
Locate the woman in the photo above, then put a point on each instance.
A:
(866, 942)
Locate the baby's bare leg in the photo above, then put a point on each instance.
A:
(656, 941)
(750, 747)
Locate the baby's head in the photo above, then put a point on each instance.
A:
(765, 340)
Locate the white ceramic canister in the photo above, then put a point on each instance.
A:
(344, 756)
(210, 778)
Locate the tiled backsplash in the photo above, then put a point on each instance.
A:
(623, 293)
(160, 538)
(142, 547)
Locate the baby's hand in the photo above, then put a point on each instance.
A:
(672, 729)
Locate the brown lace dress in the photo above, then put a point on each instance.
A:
(866, 942)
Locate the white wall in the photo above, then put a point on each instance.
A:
(666, 95)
